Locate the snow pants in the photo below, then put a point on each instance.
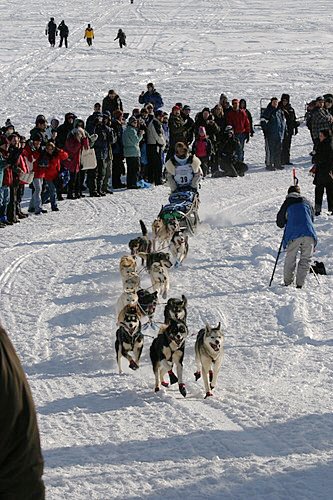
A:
(275, 151)
(306, 246)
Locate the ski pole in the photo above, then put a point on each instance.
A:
(295, 179)
(277, 258)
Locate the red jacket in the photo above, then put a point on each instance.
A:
(32, 157)
(239, 121)
(74, 146)
(22, 165)
(52, 171)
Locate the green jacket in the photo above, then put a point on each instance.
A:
(131, 141)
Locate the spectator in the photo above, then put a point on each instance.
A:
(54, 156)
(21, 460)
(239, 121)
(291, 128)
(64, 32)
(118, 151)
(155, 146)
(151, 96)
(320, 120)
(202, 148)
(51, 31)
(131, 142)
(273, 124)
(323, 167)
(112, 102)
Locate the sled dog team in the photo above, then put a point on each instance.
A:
(135, 304)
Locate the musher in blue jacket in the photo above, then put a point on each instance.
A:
(296, 215)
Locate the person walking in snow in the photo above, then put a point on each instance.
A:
(296, 215)
(121, 37)
(89, 35)
(64, 32)
(51, 31)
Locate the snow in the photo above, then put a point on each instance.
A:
(267, 432)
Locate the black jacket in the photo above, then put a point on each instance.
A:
(323, 161)
(63, 29)
(21, 461)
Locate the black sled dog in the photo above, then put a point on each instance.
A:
(166, 350)
(129, 338)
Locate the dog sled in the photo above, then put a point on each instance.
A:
(183, 206)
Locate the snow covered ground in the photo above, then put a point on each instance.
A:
(267, 432)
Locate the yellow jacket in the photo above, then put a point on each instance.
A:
(89, 33)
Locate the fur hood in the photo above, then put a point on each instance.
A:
(195, 163)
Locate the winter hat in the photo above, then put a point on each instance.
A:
(285, 97)
(202, 131)
(228, 130)
(294, 189)
(131, 120)
(159, 112)
(106, 114)
(206, 109)
(320, 98)
(175, 108)
(187, 108)
(329, 99)
(150, 84)
(179, 104)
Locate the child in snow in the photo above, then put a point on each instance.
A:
(202, 148)
(121, 37)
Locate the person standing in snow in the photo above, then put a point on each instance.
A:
(64, 32)
(291, 128)
(121, 37)
(296, 215)
(21, 460)
(239, 121)
(151, 96)
(89, 35)
(273, 124)
(112, 102)
(51, 30)
(323, 170)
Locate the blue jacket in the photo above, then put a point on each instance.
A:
(296, 215)
(273, 123)
(154, 98)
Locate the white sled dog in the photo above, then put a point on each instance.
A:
(127, 298)
(131, 281)
(160, 281)
(162, 232)
(209, 347)
(179, 247)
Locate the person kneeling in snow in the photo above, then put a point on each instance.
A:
(183, 171)
(296, 215)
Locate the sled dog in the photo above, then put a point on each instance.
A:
(127, 265)
(160, 281)
(129, 339)
(127, 298)
(162, 232)
(131, 281)
(208, 356)
(175, 310)
(179, 247)
(166, 350)
(142, 243)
